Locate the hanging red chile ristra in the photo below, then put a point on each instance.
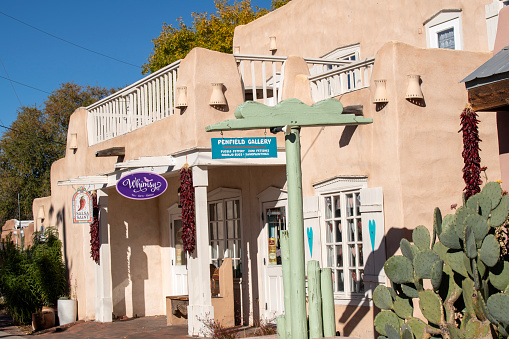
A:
(471, 158)
(95, 243)
(187, 203)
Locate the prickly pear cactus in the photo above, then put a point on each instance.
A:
(469, 295)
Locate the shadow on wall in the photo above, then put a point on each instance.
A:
(129, 262)
(352, 315)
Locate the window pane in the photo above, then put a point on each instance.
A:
(330, 256)
(219, 211)
(351, 230)
(340, 281)
(339, 234)
(351, 250)
(237, 251)
(357, 204)
(229, 209)
(212, 212)
(229, 227)
(230, 249)
(339, 256)
(446, 39)
(236, 210)
(353, 281)
(328, 208)
(337, 207)
(220, 230)
(237, 229)
(361, 257)
(349, 205)
(359, 230)
(361, 281)
(213, 249)
(328, 232)
(220, 250)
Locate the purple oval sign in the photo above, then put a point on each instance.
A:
(141, 185)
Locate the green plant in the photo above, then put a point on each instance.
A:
(32, 278)
(215, 330)
(469, 279)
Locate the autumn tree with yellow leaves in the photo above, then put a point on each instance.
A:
(212, 31)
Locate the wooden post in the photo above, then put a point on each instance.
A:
(287, 279)
(296, 234)
(329, 313)
(281, 328)
(315, 300)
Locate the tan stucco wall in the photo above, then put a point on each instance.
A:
(311, 28)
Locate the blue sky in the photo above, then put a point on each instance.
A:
(120, 29)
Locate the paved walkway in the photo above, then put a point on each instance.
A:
(145, 327)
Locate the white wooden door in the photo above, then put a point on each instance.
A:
(178, 260)
(275, 218)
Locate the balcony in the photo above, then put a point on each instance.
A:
(262, 77)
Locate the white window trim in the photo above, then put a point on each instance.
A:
(441, 21)
(340, 184)
(343, 52)
(223, 194)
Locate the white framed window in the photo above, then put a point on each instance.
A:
(343, 241)
(225, 231)
(444, 30)
(353, 236)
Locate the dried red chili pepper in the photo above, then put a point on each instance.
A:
(187, 203)
(471, 158)
(95, 243)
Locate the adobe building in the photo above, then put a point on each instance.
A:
(21, 232)
(364, 187)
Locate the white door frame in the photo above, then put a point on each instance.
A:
(175, 214)
(269, 198)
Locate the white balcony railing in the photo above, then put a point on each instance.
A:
(341, 80)
(153, 97)
(263, 75)
(142, 103)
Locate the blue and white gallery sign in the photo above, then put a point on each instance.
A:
(259, 147)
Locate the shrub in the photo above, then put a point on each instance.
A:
(32, 278)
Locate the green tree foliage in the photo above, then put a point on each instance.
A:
(212, 31)
(34, 141)
(32, 278)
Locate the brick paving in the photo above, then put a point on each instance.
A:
(143, 328)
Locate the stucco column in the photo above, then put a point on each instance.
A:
(103, 301)
(200, 304)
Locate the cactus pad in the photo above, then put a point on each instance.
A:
(436, 274)
(498, 306)
(440, 250)
(386, 317)
(410, 290)
(431, 306)
(449, 237)
(421, 238)
(423, 262)
(403, 308)
(479, 226)
(382, 297)
(418, 327)
(493, 190)
(399, 269)
(469, 242)
(457, 261)
(437, 224)
(468, 289)
(489, 251)
(406, 249)
(461, 215)
(392, 333)
(499, 275)
(499, 213)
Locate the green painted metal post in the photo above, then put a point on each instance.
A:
(287, 279)
(315, 300)
(281, 327)
(296, 234)
(329, 312)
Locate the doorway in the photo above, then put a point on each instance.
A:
(178, 258)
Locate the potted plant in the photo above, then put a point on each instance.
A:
(67, 306)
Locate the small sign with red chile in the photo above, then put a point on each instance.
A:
(141, 185)
(82, 206)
